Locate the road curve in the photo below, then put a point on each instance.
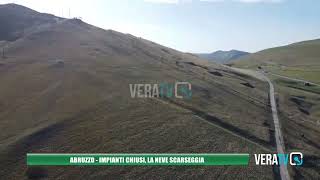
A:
(294, 79)
(284, 173)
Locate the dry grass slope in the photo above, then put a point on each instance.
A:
(65, 88)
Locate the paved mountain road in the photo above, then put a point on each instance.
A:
(284, 173)
(294, 79)
(278, 136)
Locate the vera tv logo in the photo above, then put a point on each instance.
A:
(163, 90)
(294, 158)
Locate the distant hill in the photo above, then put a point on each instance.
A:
(298, 60)
(223, 57)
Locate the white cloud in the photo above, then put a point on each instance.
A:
(163, 1)
(170, 1)
(260, 1)
(213, 1)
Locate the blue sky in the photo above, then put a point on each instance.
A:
(198, 25)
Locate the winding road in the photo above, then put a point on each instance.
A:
(294, 79)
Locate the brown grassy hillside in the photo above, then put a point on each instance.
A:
(65, 88)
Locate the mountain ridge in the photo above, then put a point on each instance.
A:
(297, 60)
(223, 57)
(17, 20)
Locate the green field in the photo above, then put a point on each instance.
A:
(299, 60)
